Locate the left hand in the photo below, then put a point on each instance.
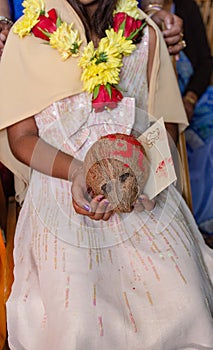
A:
(97, 208)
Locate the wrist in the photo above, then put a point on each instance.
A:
(191, 97)
(6, 20)
(75, 168)
(151, 9)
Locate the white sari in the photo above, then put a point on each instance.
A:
(140, 281)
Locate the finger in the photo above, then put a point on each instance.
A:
(175, 49)
(168, 22)
(5, 32)
(94, 204)
(82, 211)
(107, 214)
(5, 26)
(2, 37)
(172, 26)
(104, 211)
(138, 206)
(159, 18)
(177, 57)
(172, 40)
(148, 204)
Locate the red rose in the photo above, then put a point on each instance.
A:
(118, 19)
(105, 100)
(46, 24)
(128, 24)
(116, 95)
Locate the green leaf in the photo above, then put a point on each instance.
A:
(74, 48)
(45, 32)
(122, 26)
(137, 31)
(58, 22)
(109, 89)
(96, 91)
(102, 58)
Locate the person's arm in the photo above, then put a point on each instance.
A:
(199, 54)
(170, 24)
(203, 64)
(33, 151)
(5, 9)
(30, 149)
(5, 23)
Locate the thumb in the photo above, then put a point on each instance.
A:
(78, 195)
(82, 209)
(148, 204)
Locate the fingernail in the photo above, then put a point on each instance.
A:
(86, 207)
(99, 198)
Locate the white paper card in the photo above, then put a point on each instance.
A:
(162, 172)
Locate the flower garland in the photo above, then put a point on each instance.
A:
(101, 66)
(48, 26)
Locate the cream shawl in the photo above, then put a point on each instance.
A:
(33, 75)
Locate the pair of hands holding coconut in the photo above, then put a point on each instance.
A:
(111, 178)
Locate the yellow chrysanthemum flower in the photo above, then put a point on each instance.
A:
(32, 10)
(106, 52)
(87, 55)
(98, 75)
(24, 26)
(36, 6)
(119, 42)
(101, 66)
(111, 49)
(128, 6)
(97, 69)
(66, 40)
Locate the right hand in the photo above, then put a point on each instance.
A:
(97, 208)
(172, 28)
(144, 203)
